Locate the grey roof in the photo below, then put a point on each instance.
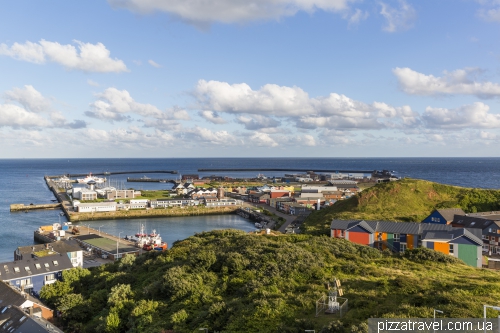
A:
(362, 224)
(451, 235)
(492, 215)
(449, 213)
(475, 222)
(342, 224)
(392, 227)
(50, 264)
(61, 246)
(15, 320)
(9, 296)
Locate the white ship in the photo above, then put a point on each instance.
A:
(89, 178)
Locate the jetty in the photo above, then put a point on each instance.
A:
(110, 173)
(150, 180)
(23, 207)
(287, 169)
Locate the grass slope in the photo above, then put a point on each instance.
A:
(230, 281)
(404, 200)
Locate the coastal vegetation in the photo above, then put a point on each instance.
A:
(231, 281)
(404, 200)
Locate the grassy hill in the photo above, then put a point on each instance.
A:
(230, 281)
(404, 200)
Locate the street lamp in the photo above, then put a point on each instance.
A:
(117, 242)
(438, 311)
(100, 229)
(203, 329)
(497, 308)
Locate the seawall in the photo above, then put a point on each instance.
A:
(23, 207)
(151, 213)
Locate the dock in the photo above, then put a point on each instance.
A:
(110, 173)
(23, 207)
(150, 180)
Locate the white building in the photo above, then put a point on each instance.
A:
(173, 203)
(82, 193)
(139, 203)
(97, 207)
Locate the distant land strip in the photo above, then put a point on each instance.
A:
(301, 170)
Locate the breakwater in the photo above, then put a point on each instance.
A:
(152, 213)
(287, 169)
(23, 207)
(149, 180)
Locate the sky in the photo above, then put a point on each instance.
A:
(249, 78)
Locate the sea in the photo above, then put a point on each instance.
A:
(21, 181)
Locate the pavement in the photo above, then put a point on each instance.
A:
(289, 218)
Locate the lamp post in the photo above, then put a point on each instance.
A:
(117, 242)
(438, 311)
(100, 229)
(484, 310)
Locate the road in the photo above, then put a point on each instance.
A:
(289, 218)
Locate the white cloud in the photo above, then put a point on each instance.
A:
(92, 83)
(263, 140)
(270, 100)
(488, 136)
(29, 97)
(357, 17)
(467, 116)
(206, 136)
(258, 122)
(460, 81)
(131, 138)
(398, 19)
(230, 11)
(88, 57)
(114, 104)
(212, 117)
(17, 117)
(154, 64)
(489, 10)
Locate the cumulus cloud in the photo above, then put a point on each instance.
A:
(398, 19)
(257, 122)
(256, 108)
(17, 117)
(207, 136)
(114, 105)
(230, 11)
(154, 64)
(263, 140)
(131, 137)
(475, 115)
(34, 104)
(489, 10)
(86, 57)
(212, 117)
(28, 97)
(460, 81)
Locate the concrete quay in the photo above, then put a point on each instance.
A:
(23, 207)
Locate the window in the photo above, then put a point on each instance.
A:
(46, 265)
(27, 269)
(451, 249)
(487, 237)
(402, 247)
(490, 230)
(25, 282)
(55, 262)
(16, 269)
(472, 223)
(50, 277)
(38, 266)
(6, 268)
(396, 237)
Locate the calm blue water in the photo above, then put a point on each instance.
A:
(21, 181)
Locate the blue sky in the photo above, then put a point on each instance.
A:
(332, 78)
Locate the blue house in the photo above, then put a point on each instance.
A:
(443, 216)
(31, 274)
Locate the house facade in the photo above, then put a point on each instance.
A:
(399, 236)
(70, 248)
(31, 274)
(443, 216)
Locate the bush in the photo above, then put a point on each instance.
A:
(424, 254)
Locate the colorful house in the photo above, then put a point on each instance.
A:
(443, 216)
(460, 243)
(399, 236)
(490, 231)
